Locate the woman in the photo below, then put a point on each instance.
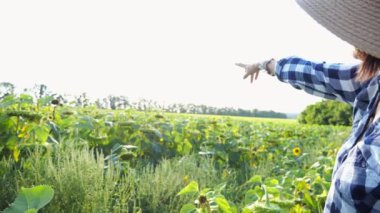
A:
(355, 185)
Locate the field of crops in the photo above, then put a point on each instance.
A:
(129, 161)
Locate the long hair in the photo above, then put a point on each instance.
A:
(369, 67)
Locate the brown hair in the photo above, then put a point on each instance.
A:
(369, 67)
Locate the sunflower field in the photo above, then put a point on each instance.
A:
(130, 161)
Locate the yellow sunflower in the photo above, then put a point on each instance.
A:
(297, 151)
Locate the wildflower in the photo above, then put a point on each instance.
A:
(297, 151)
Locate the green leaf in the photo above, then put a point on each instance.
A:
(192, 187)
(188, 208)
(12, 142)
(25, 99)
(29, 198)
(309, 200)
(246, 210)
(220, 187)
(31, 211)
(186, 147)
(263, 207)
(85, 123)
(223, 204)
(283, 203)
(271, 182)
(250, 197)
(234, 209)
(315, 165)
(41, 133)
(16, 154)
(255, 179)
(273, 190)
(205, 191)
(302, 185)
(322, 196)
(8, 101)
(259, 191)
(44, 101)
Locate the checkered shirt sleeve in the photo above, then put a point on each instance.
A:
(330, 81)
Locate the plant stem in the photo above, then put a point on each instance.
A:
(266, 195)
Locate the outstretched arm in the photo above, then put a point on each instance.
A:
(331, 81)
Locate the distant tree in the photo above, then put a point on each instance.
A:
(99, 104)
(203, 109)
(327, 112)
(62, 99)
(82, 100)
(40, 91)
(113, 101)
(105, 103)
(123, 103)
(6, 89)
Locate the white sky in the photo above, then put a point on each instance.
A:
(166, 50)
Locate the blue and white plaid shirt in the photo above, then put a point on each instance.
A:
(355, 185)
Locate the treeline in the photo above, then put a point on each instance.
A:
(204, 109)
(122, 102)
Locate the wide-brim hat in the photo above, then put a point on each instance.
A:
(355, 21)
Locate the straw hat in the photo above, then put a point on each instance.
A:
(355, 21)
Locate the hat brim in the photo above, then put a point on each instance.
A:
(356, 22)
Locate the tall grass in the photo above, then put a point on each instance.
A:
(82, 184)
(78, 177)
(157, 187)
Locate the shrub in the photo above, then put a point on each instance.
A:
(327, 112)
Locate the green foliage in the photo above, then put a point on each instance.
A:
(31, 199)
(158, 186)
(327, 112)
(189, 208)
(112, 161)
(192, 187)
(23, 124)
(207, 200)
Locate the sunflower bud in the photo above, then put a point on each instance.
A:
(55, 102)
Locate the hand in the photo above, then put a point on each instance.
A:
(251, 70)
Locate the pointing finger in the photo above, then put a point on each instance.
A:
(241, 65)
(257, 75)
